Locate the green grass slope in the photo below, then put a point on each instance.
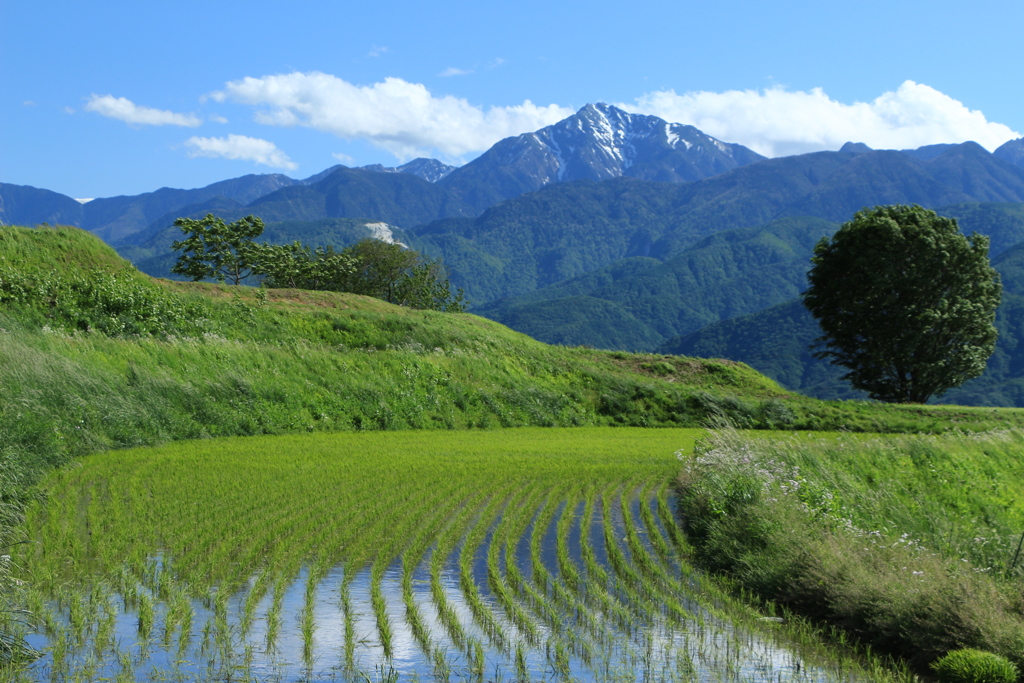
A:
(105, 357)
(56, 248)
(100, 357)
(95, 360)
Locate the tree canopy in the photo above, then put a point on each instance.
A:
(386, 270)
(297, 266)
(217, 250)
(390, 271)
(906, 302)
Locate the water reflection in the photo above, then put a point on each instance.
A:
(328, 630)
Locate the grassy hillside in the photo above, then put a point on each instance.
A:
(95, 355)
(105, 357)
(102, 356)
(67, 248)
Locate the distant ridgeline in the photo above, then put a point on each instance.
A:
(609, 229)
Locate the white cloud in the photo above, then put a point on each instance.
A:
(378, 51)
(218, 119)
(241, 147)
(776, 122)
(123, 109)
(452, 71)
(343, 158)
(29, 103)
(403, 118)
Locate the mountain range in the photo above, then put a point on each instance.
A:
(598, 142)
(610, 229)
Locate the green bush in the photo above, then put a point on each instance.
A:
(974, 666)
(116, 304)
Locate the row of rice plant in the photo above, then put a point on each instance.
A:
(510, 555)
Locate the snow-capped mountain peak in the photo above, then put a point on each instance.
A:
(599, 142)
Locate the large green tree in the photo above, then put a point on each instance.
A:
(906, 302)
(217, 250)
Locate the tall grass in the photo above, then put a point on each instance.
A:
(905, 544)
(102, 357)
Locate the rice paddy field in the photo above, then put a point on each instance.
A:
(523, 554)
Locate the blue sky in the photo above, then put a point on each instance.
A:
(107, 98)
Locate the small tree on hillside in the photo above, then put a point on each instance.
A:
(402, 276)
(297, 266)
(215, 249)
(906, 302)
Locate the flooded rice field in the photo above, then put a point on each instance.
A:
(572, 599)
(515, 555)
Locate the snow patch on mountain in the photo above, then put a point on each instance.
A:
(430, 170)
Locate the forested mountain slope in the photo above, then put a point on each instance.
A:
(567, 230)
(727, 275)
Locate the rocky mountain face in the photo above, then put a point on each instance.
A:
(596, 143)
(1012, 151)
(430, 170)
(569, 229)
(599, 142)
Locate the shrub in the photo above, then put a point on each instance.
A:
(974, 666)
(116, 304)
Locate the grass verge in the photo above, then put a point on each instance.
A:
(905, 544)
